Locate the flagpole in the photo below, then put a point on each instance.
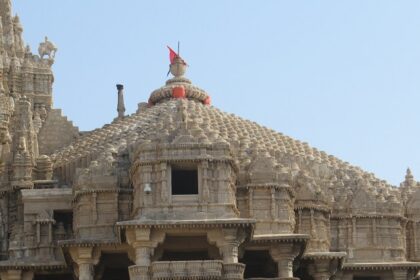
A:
(178, 48)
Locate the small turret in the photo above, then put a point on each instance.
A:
(120, 105)
(409, 178)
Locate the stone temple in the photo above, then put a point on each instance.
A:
(182, 190)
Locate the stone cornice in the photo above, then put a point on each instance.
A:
(299, 205)
(90, 191)
(184, 159)
(46, 194)
(367, 216)
(86, 243)
(381, 266)
(169, 224)
(280, 238)
(324, 255)
(31, 265)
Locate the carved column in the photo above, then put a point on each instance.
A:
(400, 274)
(17, 275)
(86, 258)
(86, 270)
(232, 239)
(143, 252)
(11, 275)
(141, 241)
(320, 269)
(284, 254)
(228, 241)
(230, 247)
(28, 275)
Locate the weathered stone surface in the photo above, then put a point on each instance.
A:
(182, 190)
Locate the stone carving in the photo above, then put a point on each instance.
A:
(182, 190)
(18, 29)
(47, 48)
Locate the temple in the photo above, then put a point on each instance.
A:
(181, 190)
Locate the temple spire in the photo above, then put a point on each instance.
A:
(120, 105)
(7, 22)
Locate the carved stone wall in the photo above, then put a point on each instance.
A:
(151, 177)
(67, 197)
(56, 132)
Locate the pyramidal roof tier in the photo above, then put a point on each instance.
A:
(180, 108)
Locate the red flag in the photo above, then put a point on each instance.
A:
(172, 54)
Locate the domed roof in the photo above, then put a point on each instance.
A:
(159, 121)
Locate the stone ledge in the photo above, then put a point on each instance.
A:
(283, 238)
(211, 223)
(26, 264)
(381, 266)
(86, 243)
(324, 255)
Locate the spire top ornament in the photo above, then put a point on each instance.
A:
(178, 66)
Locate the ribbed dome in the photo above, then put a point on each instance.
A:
(180, 101)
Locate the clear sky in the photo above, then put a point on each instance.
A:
(343, 76)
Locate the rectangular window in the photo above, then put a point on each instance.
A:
(184, 181)
(64, 217)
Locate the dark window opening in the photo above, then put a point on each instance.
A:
(259, 264)
(63, 223)
(302, 270)
(184, 182)
(113, 266)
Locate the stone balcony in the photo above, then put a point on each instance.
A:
(208, 269)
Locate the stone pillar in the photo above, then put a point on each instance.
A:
(86, 258)
(16, 275)
(231, 268)
(230, 252)
(143, 243)
(320, 269)
(86, 270)
(140, 271)
(233, 237)
(228, 241)
(400, 274)
(284, 254)
(11, 275)
(28, 275)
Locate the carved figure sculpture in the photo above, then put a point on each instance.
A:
(47, 48)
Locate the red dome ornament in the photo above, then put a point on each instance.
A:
(178, 92)
(207, 101)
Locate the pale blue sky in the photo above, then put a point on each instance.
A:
(343, 76)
